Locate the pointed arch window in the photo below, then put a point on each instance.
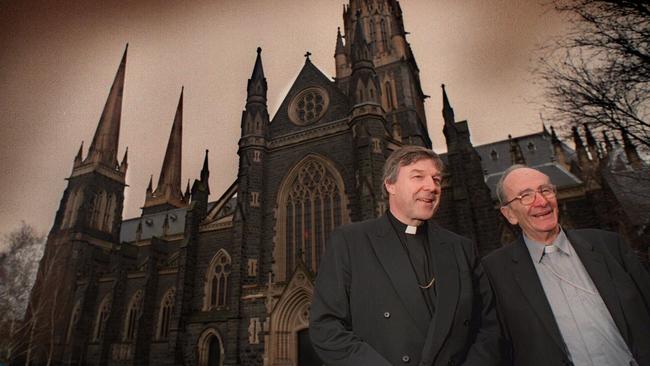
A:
(98, 209)
(134, 310)
(102, 318)
(74, 319)
(72, 209)
(166, 312)
(109, 213)
(384, 35)
(389, 96)
(373, 35)
(311, 204)
(217, 281)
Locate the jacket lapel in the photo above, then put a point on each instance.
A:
(395, 261)
(447, 287)
(530, 285)
(597, 269)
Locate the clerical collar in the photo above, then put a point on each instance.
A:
(407, 229)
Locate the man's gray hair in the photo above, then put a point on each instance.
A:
(403, 156)
(501, 195)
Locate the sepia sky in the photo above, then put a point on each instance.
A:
(58, 60)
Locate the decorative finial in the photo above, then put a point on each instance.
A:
(307, 55)
(259, 50)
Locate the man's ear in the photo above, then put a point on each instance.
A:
(506, 211)
(390, 188)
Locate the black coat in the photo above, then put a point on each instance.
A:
(367, 308)
(526, 316)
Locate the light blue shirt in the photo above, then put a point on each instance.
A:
(586, 325)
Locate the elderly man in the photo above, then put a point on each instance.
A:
(565, 297)
(400, 289)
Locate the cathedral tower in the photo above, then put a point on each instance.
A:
(87, 222)
(398, 75)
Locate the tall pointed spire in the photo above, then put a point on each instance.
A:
(577, 140)
(257, 86)
(170, 174)
(583, 158)
(608, 144)
(205, 172)
(79, 158)
(360, 49)
(125, 164)
(447, 111)
(340, 48)
(168, 191)
(105, 142)
(554, 137)
(558, 150)
(449, 128)
(592, 145)
(630, 150)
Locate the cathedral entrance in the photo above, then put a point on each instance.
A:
(306, 354)
(214, 353)
(210, 348)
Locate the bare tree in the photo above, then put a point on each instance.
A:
(20, 252)
(599, 72)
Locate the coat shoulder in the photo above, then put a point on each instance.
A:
(596, 235)
(499, 256)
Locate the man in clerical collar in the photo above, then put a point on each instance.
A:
(565, 297)
(399, 289)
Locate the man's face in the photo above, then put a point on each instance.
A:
(539, 220)
(415, 195)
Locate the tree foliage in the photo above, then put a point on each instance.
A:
(598, 73)
(20, 253)
(23, 249)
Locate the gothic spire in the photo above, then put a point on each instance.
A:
(257, 86)
(577, 140)
(168, 191)
(360, 49)
(554, 137)
(205, 171)
(447, 111)
(592, 145)
(170, 174)
(340, 48)
(78, 159)
(105, 142)
(608, 144)
(124, 164)
(449, 128)
(630, 150)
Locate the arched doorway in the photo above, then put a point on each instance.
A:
(210, 348)
(214, 352)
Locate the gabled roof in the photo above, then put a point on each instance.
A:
(152, 224)
(309, 76)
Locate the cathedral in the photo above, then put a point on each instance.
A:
(226, 278)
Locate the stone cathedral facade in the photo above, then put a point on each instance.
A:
(226, 278)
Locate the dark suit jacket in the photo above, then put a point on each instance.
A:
(526, 316)
(368, 310)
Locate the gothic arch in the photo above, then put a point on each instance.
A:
(166, 312)
(217, 277)
(289, 316)
(311, 202)
(72, 208)
(203, 346)
(74, 319)
(103, 311)
(133, 313)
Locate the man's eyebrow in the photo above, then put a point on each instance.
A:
(527, 190)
